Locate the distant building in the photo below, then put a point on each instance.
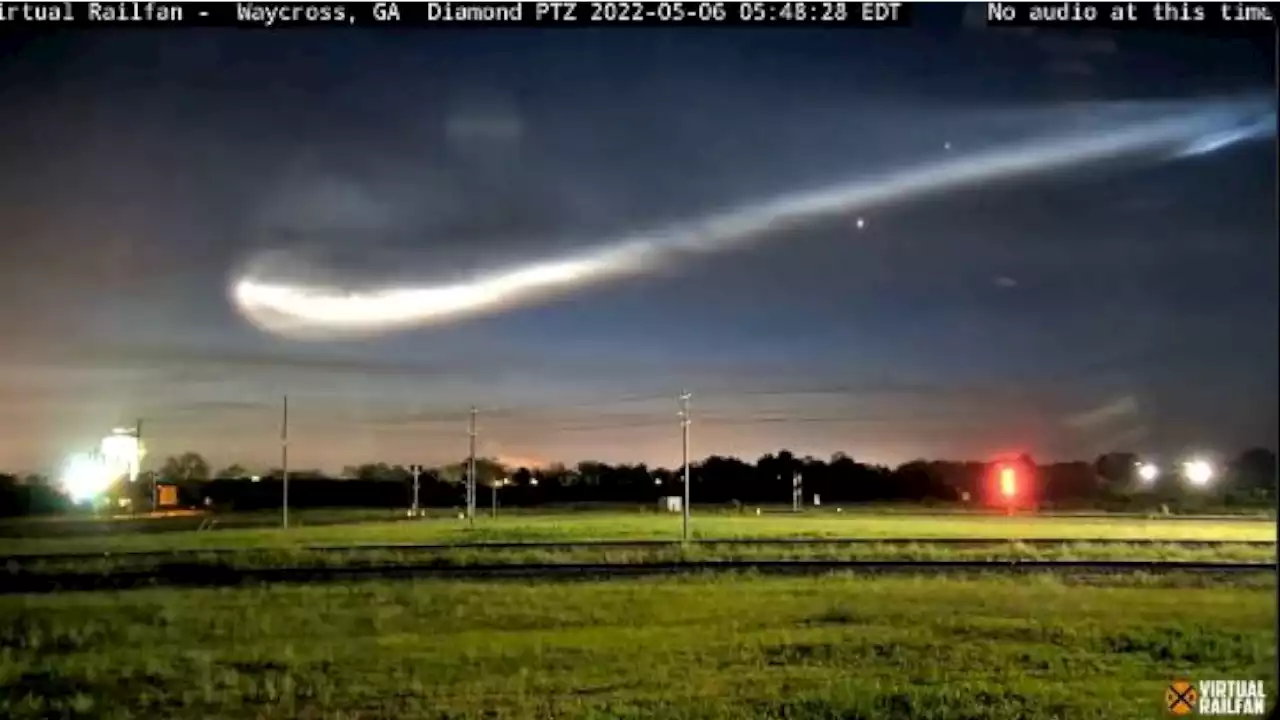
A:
(166, 495)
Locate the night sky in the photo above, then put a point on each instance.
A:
(1127, 304)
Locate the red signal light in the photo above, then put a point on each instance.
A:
(1008, 482)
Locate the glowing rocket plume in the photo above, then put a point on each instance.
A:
(302, 311)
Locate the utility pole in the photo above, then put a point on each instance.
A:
(284, 457)
(684, 432)
(155, 478)
(471, 470)
(416, 470)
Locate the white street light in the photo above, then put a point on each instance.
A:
(1148, 472)
(1198, 472)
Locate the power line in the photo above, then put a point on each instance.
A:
(541, 413)
(713, 420)
(517, 410)
(565, 418)
(155, 477)
(995, 393)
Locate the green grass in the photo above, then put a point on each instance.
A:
(731, 647)
(83, 523)
(469, 556)
(619, 525)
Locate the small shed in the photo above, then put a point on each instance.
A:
(671, 503)
(166, 495)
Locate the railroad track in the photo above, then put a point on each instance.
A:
(6, 560)
(194, 575)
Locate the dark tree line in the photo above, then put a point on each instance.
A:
(1110, 482)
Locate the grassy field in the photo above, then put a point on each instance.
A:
(726, 647)
(619, 525)
(83, 524)
(249, 559)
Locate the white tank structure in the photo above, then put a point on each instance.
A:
(122, 453)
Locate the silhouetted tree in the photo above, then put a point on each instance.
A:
(1252, 476)
(1247, 481)
(232, 471)
(187, 466)
(1070, 483)
(1118, 469)
(487, 470)
(18, 496)
(776, 473)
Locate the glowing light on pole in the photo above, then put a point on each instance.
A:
(1198, 472)
(1148, 472)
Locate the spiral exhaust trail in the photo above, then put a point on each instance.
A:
(303, 311)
